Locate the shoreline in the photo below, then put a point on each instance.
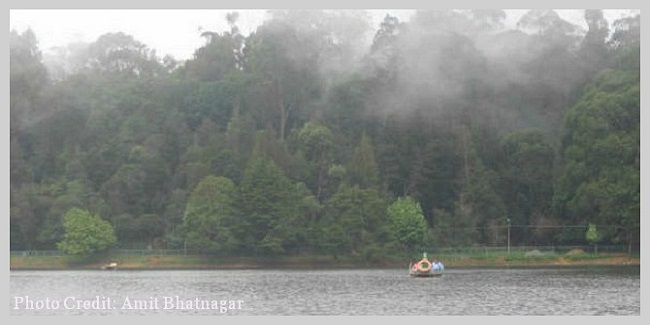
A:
(307, 263)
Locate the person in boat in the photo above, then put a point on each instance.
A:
(434, 266)
(437, 266)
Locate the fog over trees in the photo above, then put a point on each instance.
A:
(304, 138)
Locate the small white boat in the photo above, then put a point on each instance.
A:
(426, 268)
(109, 266)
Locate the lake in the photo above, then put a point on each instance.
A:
(564, 291)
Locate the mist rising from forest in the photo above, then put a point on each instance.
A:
(298, 137)
(438, 57)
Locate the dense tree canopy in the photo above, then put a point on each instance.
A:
(319, 133)
(600, 178)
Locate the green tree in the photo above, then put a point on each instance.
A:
(593, 236)
(28, 77)
(267, 146)
(86, 234)
(220, 57)
(267, 210)
(554, 70)
(478, 196)
(209, 216)
(360, 214)
(527, 177)
(280, 58)
(363, 170)
(317, 143)
(28, 81)
(407, 222)
(434, 177)
(119, 54)
(210, 100)
(600, 175)
(383, 59)
(455, 227)
(29, 206)
(138, 189)
(393, 156)
(346, 108)
(332, 239)
(65, 195)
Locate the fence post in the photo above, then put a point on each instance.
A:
(508, 236)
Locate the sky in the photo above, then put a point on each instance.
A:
(174, 32)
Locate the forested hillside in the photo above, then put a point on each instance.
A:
(303, 138)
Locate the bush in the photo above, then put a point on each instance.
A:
(86, 234)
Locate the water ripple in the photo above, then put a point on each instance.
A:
(475, 292)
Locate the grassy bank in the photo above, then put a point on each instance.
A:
(191, 262)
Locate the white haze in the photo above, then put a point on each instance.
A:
(169, 32)
(178, 32)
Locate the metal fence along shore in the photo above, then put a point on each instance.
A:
(450, 252)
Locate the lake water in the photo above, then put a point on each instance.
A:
(476, 292)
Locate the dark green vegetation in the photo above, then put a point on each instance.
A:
(299, 140)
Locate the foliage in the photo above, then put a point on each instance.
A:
(527, 176)
(592, 234)
(601, 173)
(357, 217)
(296, 138)
(407, 222)
(363, 166)
(267, 210)
(316, 141)
(86, 234)
(209, 216)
